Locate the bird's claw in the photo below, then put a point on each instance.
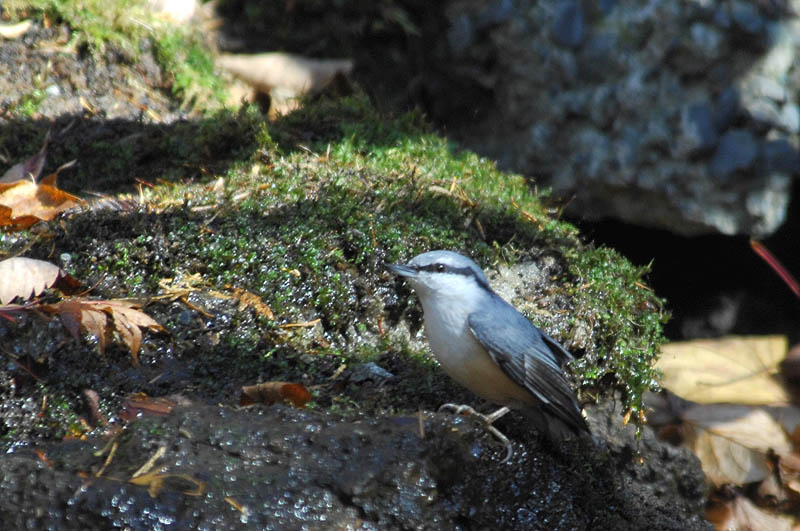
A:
(460, 409)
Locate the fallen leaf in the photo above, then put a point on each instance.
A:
(14, 30)
(154, 481)
(93, 318)
(25, 278)
(789, 472)
(23, 203)
(285, 77)
(93, 403)
(42, 455)
(296, 73)
(28, 169)
(251, 300)
(141, 405)
(732, 441)
(739, 370)
(273, 392)
(740, 514)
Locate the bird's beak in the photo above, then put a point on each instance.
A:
(402, 270)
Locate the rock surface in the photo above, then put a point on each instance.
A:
(278, 468)
(663, 114)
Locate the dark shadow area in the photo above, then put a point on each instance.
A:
(113, 155)
(401, 58)
(715, 285)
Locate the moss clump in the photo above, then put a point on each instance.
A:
(625, 320)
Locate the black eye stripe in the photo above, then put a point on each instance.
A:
(444, 268)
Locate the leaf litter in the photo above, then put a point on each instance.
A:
(736, 413)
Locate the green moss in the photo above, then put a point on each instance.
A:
(96, 24)
(625, 320)
(310, 208)
(122, 25)
(187, 59)
(29, 104)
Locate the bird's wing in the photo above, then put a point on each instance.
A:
(522, 353)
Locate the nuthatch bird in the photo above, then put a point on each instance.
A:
(490, 348)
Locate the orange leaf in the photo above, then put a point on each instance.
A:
(251, 300)
(272, 392)
(26, 277)
(23, 203)
(145, 406)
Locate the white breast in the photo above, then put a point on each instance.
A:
(463, 358)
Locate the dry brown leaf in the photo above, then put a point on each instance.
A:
(251, 300)
(732, 441)
(141, 405)
(154, 481)
(274, 392)
(13, 30)
(740, 370)
(295, 73)
(23, 203)
(740, 514)
(29, 169)
(93, 318)
(789, 472)
(25, 278)
(285, 77)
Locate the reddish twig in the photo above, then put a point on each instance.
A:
(776, 265)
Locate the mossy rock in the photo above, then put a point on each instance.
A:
(305, 221)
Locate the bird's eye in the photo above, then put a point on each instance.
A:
(440, 268)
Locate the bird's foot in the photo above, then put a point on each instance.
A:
(460, 409)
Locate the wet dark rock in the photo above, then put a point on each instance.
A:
(737, 151)
(278, 468)
(746, 17)
(781, 157)
(697, 126)
(726, 108)
(569, 28)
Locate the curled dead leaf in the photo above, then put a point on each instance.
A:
(251, 300)
(30, 168)
(274, 392)
(26, 277)
(24, 203)
(92, 316)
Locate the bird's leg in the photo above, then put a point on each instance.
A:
(459, 409)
